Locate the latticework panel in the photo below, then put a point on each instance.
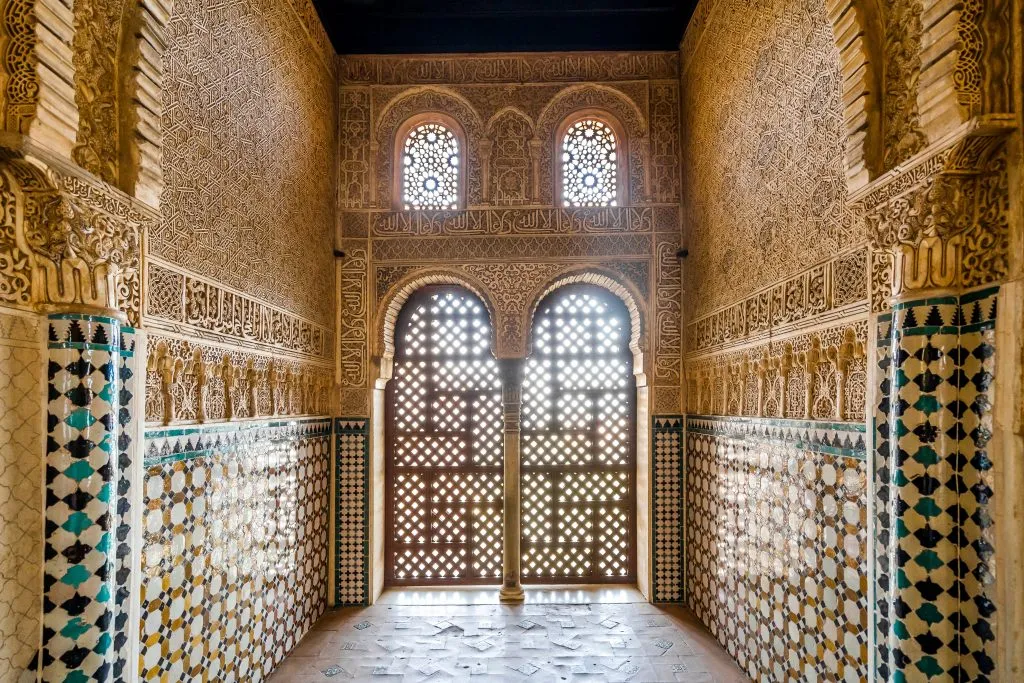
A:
(445, 444)
(579, 442)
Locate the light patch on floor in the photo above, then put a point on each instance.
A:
(562, 634)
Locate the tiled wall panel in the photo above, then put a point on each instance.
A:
(21, 444)
(669, 484)
(777, 544)
(235, 547)
(351, 512)
(935, 561)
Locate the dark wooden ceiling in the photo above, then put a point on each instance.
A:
(411, 26)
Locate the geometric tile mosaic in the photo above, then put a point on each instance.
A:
(351, 512)
(81, 475)
(235, 547)
(776, 553)
(124, 557)
(668, 508)
(21, 449)
(934, 573)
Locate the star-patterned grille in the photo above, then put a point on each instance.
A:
(579, 441)
(445, 456)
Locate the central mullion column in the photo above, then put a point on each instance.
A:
(512, 403)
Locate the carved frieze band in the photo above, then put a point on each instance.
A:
(507, 68)
(801, 300)
(186, 303)
(819, 375)
(496, 222)
(458, 249)
(189, 381)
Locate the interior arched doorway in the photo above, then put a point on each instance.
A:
(520, 317)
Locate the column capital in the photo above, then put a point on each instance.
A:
(82, 239)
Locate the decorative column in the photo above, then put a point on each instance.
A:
(940, 247)
(81, 246)
(512, 401)
(83, 383)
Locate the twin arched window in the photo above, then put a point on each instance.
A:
(430, 178)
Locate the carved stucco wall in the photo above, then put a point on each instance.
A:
(511, 241)
(249, 143)
(240, 269)
(764, 180)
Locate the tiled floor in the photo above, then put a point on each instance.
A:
(571, 634)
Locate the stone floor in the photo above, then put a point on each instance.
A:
(465, 635)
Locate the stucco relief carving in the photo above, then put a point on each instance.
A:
(507, 68)
(766, 188)
(819, 375)
(509, 222)
(97, 45)
(187, 381)
(354, 304)
(247, 200)
(68, 241)
(946, 224)
(797, 301)
(904, 136)
(184, 303)
(511, 159)
(17, 43)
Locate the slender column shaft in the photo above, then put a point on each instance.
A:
(512, 400)
(81, 492)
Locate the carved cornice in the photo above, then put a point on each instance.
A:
(69, 241)
(540, 67)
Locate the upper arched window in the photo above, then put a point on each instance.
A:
(430, 163)
(590, 163)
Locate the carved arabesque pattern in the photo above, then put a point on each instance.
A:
(511, 170)
(765, 172)
(246, 189)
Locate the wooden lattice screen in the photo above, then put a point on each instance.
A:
(444, 434)
(579, 442)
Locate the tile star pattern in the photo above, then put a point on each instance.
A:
(351, 512)
(81, 476)
(668, 510)
(776, 555)
(235, 547)
(935, 570)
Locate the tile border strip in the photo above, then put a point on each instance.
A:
(352, 426)
(668, 424)
(173, 443)
(845, 439)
